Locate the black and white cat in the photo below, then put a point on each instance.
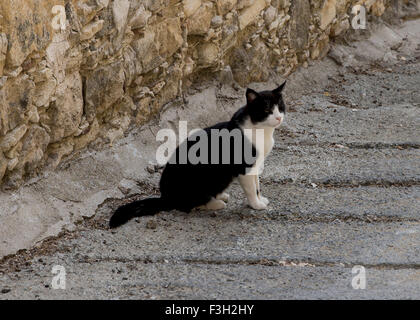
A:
(187, 186)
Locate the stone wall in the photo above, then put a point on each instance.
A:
(87, 74)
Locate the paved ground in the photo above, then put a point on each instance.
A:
(344, 186)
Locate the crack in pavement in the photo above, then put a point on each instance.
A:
(329, 183)
(249, 261)
(352, 145)
(315, 217)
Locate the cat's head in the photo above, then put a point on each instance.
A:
(266, 108)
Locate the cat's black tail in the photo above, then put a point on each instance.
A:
(139, 208)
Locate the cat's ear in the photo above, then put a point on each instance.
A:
(251, 95)
(278, 91)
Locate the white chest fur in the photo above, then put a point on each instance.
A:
(268, 141)
(263, 141)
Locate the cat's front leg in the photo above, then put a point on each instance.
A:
(262, 199)
(248, 183)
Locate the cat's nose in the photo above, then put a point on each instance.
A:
(279, 119)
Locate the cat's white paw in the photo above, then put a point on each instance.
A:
(215, 204)
(264, 200)
(258, 205)
(223, 196)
